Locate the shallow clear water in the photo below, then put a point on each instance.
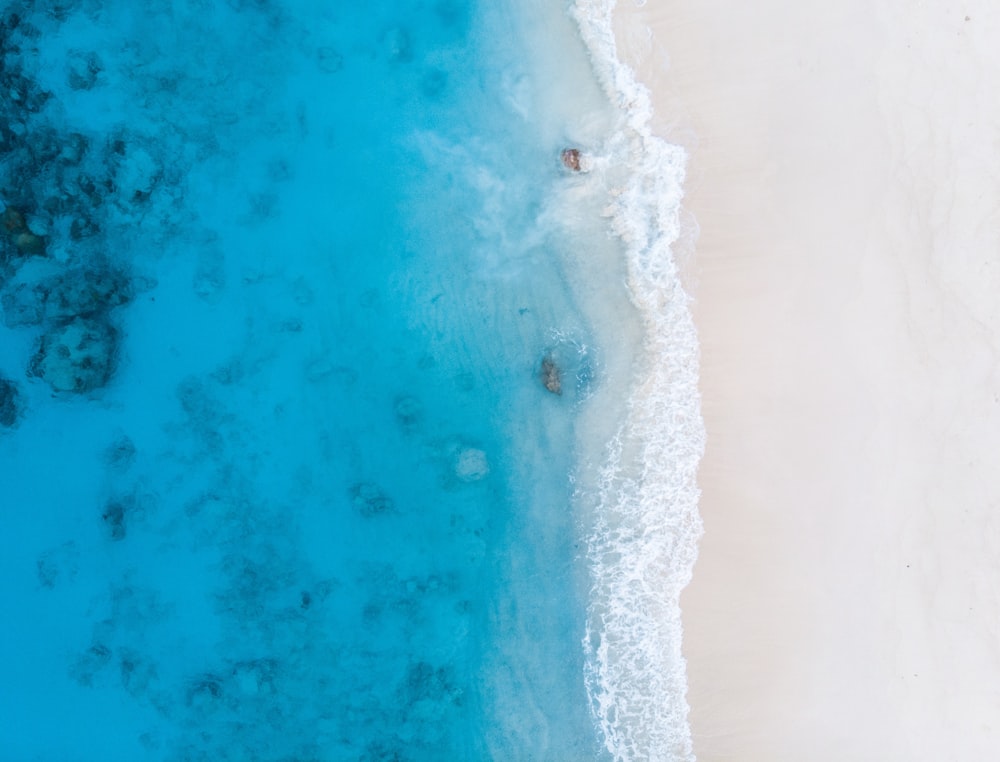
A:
(298, 492)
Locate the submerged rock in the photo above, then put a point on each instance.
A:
(137, 672)
(370, 500)
(77, 356)
(471, 465)
(16, 227)
(25, 94)
(571, 159)
(13, 221)
(121, 453)
(114, 517)
(87, 665)
(408, 411)
(551, 374)
(28, 243)
(10, 403)
(204, 692)
(567, 368)
(82, 69)
(58, 564)
(23, 304)
(73, 149)
(138, 174)
(74, 293)
(83, 227)
(86, 292)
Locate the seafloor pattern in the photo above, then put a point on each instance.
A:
(287, 380)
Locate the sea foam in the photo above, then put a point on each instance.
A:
(646, 525)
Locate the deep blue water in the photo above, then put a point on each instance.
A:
(280, 477)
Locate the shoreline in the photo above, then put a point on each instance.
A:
(842, 604)
(643, 542)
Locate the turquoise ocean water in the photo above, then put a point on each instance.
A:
(282, 285)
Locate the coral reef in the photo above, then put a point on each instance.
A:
(75, 292)
(55, 185)
(10, 403)
(76, 356)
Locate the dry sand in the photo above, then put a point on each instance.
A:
(845, 175)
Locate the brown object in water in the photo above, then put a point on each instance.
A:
(551, 375)
(571, 159)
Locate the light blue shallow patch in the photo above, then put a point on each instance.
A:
(321, 508)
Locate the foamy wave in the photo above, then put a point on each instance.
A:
(644, 542)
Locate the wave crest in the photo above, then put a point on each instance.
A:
(644, 541)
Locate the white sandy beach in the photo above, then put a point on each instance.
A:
(845, 175)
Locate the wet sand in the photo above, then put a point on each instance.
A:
(844, 174)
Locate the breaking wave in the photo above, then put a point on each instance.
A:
(644, 540)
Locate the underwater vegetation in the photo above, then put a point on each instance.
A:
(281, 504)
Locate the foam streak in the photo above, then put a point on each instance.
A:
(644, 542)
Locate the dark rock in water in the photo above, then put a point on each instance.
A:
(9, 22)
(26, 94)
(23, 304)
(74, 148)
(15, 225)
(114, 517)
(120, 453)
(13, 221)
(10, 403)
(57, 565)
(75, 293)
(28, 243)
(82, 69)
(568, 368)
(551, 375)
(83, 227)
(370, 500)
(87, 665)
(77, 356)
(94, 189)
(571, 159)
(137, 673)
(408, 410)
(137, 172)
(425, 682)
(44, 145)
(86, 292)
(204, 692)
